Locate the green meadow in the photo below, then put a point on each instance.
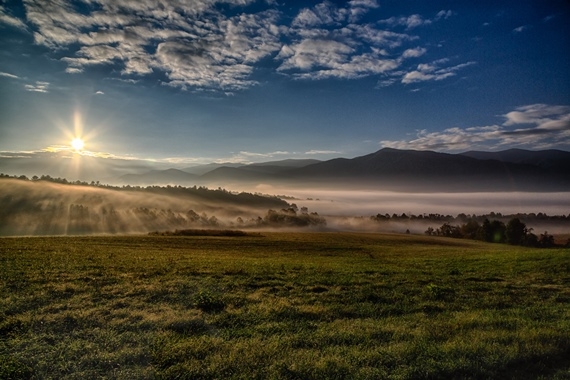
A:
(282, 306)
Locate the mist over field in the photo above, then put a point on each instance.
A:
(350, 203)
(47, 208)
(32, 208)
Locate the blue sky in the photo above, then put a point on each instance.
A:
(195, 81)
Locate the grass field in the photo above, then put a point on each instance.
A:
(282, 306)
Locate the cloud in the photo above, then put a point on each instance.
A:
(432, 72)
(8, 75)
(414, 53)
(546, 126)
(444, 15)
(38, 87)
(520, 29)
(99, 93)
(314, 151)
(310, 53)
(195, 45)
(249, 157)
(416, 20)
(409, 22)
(7, 19)
(73, 70)
(363, 4)
(327, 43)
(358, 8)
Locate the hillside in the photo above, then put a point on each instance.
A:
(47, 208)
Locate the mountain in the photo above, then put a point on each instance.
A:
(290, 163)
(554, 161)
(390, 163)
(406, 169)
(203, 169)
(168, 176)
(393, 169)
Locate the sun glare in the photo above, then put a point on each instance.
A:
(77, 144)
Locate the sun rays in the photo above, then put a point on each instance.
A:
(78, 144)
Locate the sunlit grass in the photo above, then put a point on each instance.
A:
(283, 306)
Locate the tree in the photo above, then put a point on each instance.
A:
(450, 231)
(516, 232)
(546, 240)
(470, 229)
(485, 232)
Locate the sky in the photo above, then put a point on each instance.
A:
(184, 82)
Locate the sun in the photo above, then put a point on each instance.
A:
(77, 144)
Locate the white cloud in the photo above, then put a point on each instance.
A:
(7, 19)
(343, 49)
(310, 53)
(99, 93)
(416, 20)
(306, 18)
(549, 127)
(315, 152)
(363, 3)
(198, 47)
(542, 118)
(409, 22)
(246, 157)
(520, 29)
(432, 72)
(358, 8)
(8, 75)
(414, 53)
(443, 15)
(73, 70)
(143, 37)
(38, 87)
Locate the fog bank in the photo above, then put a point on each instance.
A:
(366, 203)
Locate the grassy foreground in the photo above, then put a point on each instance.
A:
(281, 306)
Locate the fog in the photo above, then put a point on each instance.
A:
(40, 208)
(351, 203)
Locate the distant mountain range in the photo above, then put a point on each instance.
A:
(408, 170)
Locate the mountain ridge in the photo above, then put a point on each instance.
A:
(510, 169)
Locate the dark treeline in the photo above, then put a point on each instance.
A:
(492, 227)
(199, 192)
(513, 232)
(464, 218)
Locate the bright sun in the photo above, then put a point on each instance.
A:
(77, 143)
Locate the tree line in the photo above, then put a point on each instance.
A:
(202, 192)
(514, 232)
(464, 218)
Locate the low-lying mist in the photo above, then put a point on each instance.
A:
(370, 202)
(47, 208)
(351, 209)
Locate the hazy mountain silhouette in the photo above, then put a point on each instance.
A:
(169, 176)
(203, 169)
(290, 163)
(555, 161)
(515, 169)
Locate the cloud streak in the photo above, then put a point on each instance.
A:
(539, 126)
(39, 86)
(8, 75)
